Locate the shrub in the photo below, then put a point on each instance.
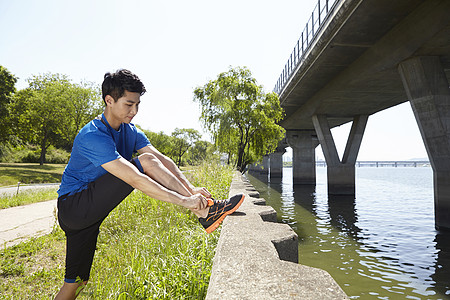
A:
(31, 154)
(57, 156)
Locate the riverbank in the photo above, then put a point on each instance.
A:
(256, 258)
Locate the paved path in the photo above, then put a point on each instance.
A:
(19, 223)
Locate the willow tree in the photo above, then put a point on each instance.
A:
(241, 117)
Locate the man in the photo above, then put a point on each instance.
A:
(101, 173)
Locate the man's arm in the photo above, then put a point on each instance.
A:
(172, 167)
(123, 169)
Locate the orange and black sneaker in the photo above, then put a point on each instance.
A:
(218, 210)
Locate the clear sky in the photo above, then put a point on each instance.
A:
(175, 46)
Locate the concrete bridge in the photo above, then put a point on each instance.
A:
(356, 58)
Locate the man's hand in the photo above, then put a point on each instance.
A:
(196, 202)
(201, 190)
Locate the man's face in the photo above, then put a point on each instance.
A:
(125, 108)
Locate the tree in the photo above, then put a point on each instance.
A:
(183, 140)
(44, 105)
(240, 116)
(51, 111)
(173, 145)
(84, 103)
(161, 141)
(200, 152)
(7, 89)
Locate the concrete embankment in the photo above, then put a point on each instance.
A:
(257, 258)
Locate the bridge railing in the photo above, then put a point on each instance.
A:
(320, 13)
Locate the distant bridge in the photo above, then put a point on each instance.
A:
(356, 58)
(379, 164)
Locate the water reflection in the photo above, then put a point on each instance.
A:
(343, 214)
(441, 275)
(303, 195)
(381, 245)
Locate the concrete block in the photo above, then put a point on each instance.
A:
(259, 201)
(253, 194)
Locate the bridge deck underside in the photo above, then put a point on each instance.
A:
(351, 68)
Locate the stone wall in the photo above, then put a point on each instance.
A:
(257, 258)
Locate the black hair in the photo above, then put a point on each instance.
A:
(115, 84)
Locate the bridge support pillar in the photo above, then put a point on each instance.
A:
(276, 163)
(428, 91)
(340, 174)
(303, 144)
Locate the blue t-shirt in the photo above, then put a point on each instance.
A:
(96, 144)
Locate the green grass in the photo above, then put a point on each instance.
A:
(147, 249)
(32, 270)
(28, 197)
(10, 174)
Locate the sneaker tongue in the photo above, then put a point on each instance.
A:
(210, 202)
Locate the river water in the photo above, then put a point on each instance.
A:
(381, 245)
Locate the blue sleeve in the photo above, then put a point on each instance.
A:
(141, 140)
(98, 148)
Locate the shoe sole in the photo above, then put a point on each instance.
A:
(219, 220)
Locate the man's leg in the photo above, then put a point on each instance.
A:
(80, 250)
(93, 204)
(80, 216)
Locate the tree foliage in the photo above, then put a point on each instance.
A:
(52, 110)
(183, 140)
(241, 117)
(160, 141)
(84, 103)
(201, 151)
(183, 145)
(7, 89)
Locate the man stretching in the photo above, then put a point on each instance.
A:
(101, 173)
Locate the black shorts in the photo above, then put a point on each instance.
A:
(80, 216)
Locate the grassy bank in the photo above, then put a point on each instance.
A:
(28, 197)
(10, 174)
(147, 249)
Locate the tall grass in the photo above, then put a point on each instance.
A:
(159, 252)
(147, 249)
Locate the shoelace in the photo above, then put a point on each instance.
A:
(212, 201)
